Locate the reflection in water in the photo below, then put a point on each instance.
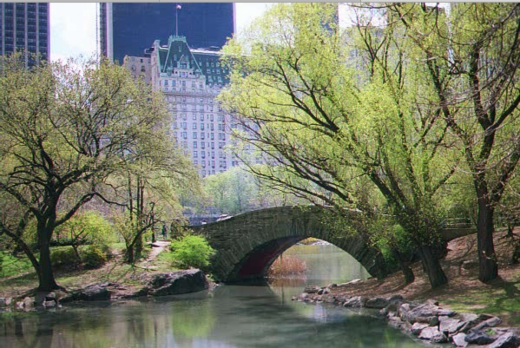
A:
(231, 316)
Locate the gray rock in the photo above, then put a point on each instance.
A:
(507, 340)
(395, 322)
(49, 304)
(176, 283)
(377, 302)
(320, 292)
(311, 289)
(395, 298)
(439, 338)
(28, 303)
(355, 302)
(5, 301)
(459, 340)
(479, 337)
(20, 305)
(429, 332)
(50, 296)
(39, 299)
(431, 302)
(491, 322)
(449, 325)
(94, 292)
(417, 328)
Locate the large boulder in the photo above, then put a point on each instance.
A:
(177, 283)
(479, 338)
(94, 292)
(449, 325)
(377, 302)
(355, 302)
(507, 340)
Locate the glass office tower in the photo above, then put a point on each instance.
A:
(130, 28)
(25, 27)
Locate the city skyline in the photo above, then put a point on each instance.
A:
(73, 26)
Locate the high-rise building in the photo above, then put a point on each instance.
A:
(190, 80)
(25, 27)
(129, 28)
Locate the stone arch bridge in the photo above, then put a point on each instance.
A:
(246, 245)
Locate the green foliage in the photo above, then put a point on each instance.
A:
(64, 256)
(86, 228)
(191, 251)
(94, 256)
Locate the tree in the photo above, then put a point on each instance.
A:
(65, 129)
(317, 120)
(88, 227)
(473, 63)
(152, 182)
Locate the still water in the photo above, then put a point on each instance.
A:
(230, 316)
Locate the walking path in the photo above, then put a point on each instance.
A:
(157, 248)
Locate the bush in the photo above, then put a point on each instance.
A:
(88, 227)
(287, 266)
(94, 256)
(191, 251)
(63, 256)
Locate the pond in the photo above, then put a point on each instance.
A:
(230, 316)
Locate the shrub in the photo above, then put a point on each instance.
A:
(286, 266)
(63, 256)
(93, 256)
(88, 227)
(191, 251)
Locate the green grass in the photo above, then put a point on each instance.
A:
(502, 299)
(114, 271)
(12, 265)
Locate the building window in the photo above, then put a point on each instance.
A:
(195, 154)
(194, 126)
(194, 118)
(202, 126)
(202, 154)
(194, 135)
(194, 144)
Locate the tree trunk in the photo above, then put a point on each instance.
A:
(433, 268)
(130, 258)
(409, 277)
(46, 275)
(488, 268)
(404, 265)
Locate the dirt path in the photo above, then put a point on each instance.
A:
(157, 248)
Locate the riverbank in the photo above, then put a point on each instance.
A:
(464, 293)
(114, 281)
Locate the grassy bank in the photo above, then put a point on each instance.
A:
(464, 292)
(19, 277)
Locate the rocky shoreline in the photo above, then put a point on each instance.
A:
(160, 284)
(427, 320)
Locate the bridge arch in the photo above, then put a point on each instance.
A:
(247, 244)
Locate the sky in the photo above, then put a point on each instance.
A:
(73, 26)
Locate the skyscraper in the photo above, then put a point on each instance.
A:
(25, 27)
(129, 28)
